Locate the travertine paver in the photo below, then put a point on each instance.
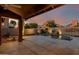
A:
(41, 45)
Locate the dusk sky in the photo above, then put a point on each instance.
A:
(62, 15)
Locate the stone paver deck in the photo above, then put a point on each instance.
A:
(41, 45)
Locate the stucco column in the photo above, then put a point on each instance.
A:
(0, 30)
(20, 30)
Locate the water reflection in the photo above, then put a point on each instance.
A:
(62, 37)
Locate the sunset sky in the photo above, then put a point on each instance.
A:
(62, 15)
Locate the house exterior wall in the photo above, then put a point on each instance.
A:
(6, 30)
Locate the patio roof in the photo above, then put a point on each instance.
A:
(26, 10)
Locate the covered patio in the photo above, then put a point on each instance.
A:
(33, 45)
(23, 12)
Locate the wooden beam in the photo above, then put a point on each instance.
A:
(0, 30)
(20, 30)
(48, 8)
(8, 13)
(15, 10)
(40, 12)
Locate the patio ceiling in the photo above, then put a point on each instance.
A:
(8, 13)
(28, 10)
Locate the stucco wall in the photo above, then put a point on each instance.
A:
(5, 29)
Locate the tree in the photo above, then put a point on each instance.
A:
(12, 24)
(51, 24)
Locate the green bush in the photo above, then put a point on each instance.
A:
(31, 25)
